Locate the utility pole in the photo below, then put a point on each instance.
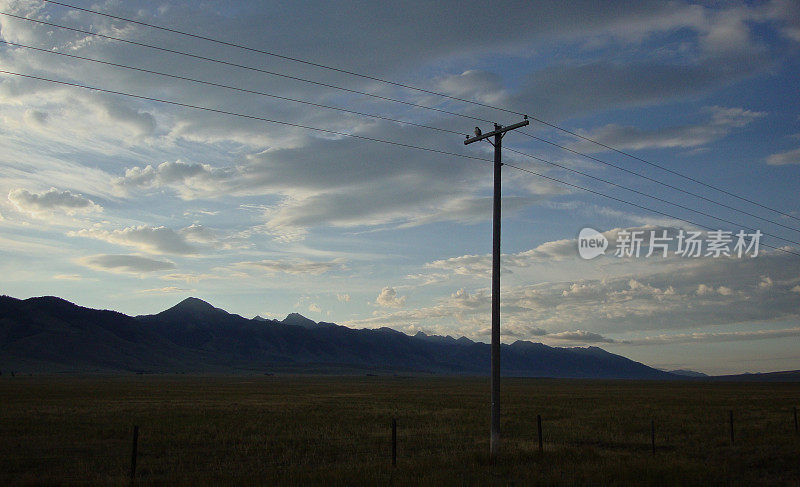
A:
(497, 133)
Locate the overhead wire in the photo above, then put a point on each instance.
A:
(432, 92)
(362, 137)
(659, 166)
(74, 56)
(641, 193)
(402, 101)
(249, 68)
(229, 87)
(241, 115)
(283, 56)
(657, 181)
(646, 208)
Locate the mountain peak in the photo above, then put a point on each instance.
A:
(194, 304)
(299, 320)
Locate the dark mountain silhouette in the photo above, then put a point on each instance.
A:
(688, 373)
(782, 376)
(51, 334)
(297, 319)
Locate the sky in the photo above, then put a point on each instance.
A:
(124, 203)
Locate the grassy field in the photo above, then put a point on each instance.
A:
(337, 430)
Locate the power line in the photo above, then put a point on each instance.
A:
(598, 193)
(250, 68)
(641, 193)
(601, 161)
(433, 128)
(288, 58)
(402, 101)
(659, 166)
(251, 117)
(219, 85)
(415, 88)
(362, 137)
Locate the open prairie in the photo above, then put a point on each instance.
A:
(284, 430)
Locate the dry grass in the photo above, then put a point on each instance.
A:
(336, 430)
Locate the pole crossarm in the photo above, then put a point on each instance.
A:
(500, 131)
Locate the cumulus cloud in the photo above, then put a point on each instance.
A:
(343, 298)
(41, 204)
(719, 292)
(547, 252)
(132, 264)
(190, 180)
(155, 240)
(388, 298)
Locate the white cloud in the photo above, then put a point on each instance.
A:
(676, 294)
(190, 180)
(314, 308)
(388, 298)
(296, 267)
(722, 122)
(132, 264)
(43, 204)
(716, 337)
(343, 298)
(164, 290)
(474, 85)
(581, 336)
(784, 158)
(155, 240)
(547, 252)
(197, 277)
(68, 277)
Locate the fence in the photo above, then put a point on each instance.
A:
(146, 451)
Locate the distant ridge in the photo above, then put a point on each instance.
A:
(687, 373)
(782, 376)
(49, 334)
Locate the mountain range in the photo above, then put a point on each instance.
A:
(50, 334)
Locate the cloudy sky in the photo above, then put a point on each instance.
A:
(118, 202)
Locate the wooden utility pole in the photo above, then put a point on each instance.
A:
(497, 133)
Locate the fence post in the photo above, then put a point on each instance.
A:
(731, 415)
(394, 442)
(133, 452)
(653, 435)
(539, 427)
